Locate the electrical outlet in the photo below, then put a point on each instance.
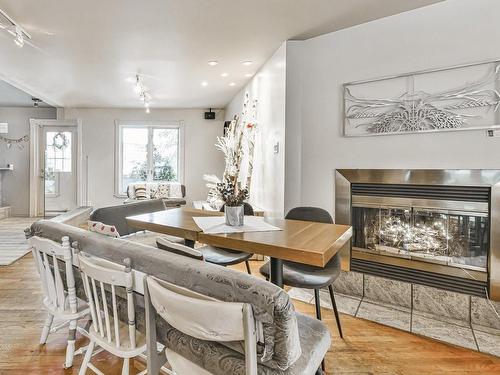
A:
(277, 148)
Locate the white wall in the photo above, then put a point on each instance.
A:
(98, 141)
(16, 184)
(446, 34)
(268, 87)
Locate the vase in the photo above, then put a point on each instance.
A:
(234, 215)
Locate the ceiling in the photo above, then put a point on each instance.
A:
(11, 96)
(85, 50)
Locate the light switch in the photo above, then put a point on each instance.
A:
(4, 128)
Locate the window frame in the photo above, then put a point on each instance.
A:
(119, 125)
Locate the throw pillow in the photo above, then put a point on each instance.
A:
(163, 190)
(141, 191)
(107, 230)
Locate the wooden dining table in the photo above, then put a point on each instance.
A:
(305, 242)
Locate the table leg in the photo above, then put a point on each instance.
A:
(277, 272)
(189, 243)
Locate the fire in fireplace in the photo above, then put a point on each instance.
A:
(432, 227)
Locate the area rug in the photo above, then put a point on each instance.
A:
(13, 245)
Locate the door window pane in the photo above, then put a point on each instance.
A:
(58, 152)
(134, 155)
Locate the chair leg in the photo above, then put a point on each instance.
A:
(248, 267)
(335, 311)
(126, 366)
(87, 358)
(46, 328)
(317, 301)
(70, 348)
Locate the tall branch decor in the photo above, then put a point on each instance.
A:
(473, 105)
(237, 144)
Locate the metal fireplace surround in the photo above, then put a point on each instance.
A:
(461, 194)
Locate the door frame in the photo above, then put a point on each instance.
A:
(36, 125)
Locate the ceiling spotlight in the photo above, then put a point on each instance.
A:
(246, 62)
(224, 75)
(204, 83)
(232, 84)
(148, 110)
(213, 63)
(36, 102)
(248, 75)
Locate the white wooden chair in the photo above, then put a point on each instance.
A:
(60, 301)
(108, 332)
(198, 316)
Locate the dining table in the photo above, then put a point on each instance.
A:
(304, 242)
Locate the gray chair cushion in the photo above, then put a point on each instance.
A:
(223, 257)
(115, 215)
(301, 275)
(309, 277)
(271, 305)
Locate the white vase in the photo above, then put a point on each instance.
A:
(234, 215)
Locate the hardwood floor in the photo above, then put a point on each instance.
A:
(368, 348)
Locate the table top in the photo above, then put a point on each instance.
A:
(299, 241)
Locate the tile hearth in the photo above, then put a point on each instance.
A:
(458, 319)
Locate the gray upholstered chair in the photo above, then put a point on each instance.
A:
(117, 216)
(311, 277)
(228, 257)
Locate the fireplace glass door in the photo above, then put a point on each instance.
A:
(448, 237)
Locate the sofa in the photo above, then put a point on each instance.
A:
(289, 342)
(176, 199)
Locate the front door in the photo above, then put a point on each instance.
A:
(58, 164)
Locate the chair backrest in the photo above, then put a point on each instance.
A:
(247, 209)
(309, 214)
(202, 317)
(98, 275)
(47, 253)
(177, 248)
(116, 215)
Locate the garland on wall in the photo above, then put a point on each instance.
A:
(17, 141)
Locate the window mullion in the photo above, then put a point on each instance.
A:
(150, 154)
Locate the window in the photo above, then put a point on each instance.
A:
(148, 152)
(58, 146)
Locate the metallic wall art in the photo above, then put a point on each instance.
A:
(459, 98)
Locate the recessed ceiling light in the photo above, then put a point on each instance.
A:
(224, 75)
(204, 83)
(213, 63)
(248, 75)
(247, 62)
(232, 84)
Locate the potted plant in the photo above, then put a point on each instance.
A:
(233, 197)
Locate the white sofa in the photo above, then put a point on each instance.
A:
(175, 199)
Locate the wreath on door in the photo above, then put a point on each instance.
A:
(60, 141)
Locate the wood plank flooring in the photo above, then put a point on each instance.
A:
(368, 348)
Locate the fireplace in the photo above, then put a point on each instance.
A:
(430, 227)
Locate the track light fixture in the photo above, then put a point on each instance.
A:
(9, 25)
(139, 88)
